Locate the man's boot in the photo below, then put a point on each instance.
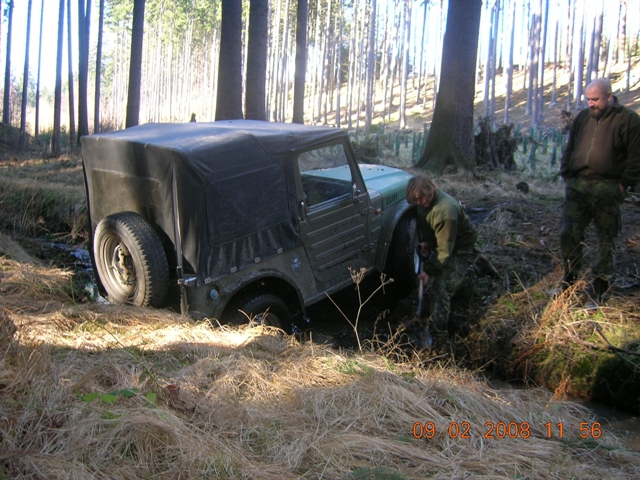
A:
(600, 288)
(595, 293)
(568, 279)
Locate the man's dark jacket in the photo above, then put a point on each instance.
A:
(608, 148)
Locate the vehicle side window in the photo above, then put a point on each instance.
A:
(325, 174)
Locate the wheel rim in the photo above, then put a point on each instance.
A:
(119, 266)
(268, 319)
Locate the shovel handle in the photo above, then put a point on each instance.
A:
(420, 293)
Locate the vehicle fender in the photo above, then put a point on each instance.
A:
(267, 280)
(390, 218)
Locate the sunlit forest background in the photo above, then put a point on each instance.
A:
(383, 53)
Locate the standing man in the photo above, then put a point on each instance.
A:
(447, 239)
(601, 161)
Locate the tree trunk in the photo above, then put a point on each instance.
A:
(487, 65)
(273, 68)
(450, 141)
(229, 103)
(96, 114)
(257, 60)
(84, 22)
(302, 15)
(580, 64)
(394, 60)
(543, 53)
(135, 64)
(569, 53)
(339, 81)
(507, 105)
(494, 62)
(554, 98)
(57, 103)
(405, 64)
(422, 48)
(597, 42)
(25, 84)
(72, 108)
(37, 123)
(322, 63)
(283, 81)
(6, 104)
(371, 70)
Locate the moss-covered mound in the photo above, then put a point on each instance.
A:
(555, 342)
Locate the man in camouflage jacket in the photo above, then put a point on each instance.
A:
(449, 238)
(601, 161)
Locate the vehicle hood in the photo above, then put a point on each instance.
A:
(389, 182)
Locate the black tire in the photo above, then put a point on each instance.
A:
(264, 308)
(401, 260)
(130, 260)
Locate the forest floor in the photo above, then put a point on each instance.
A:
(89, 389)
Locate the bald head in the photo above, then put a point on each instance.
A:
(599, 97)
(602, 85)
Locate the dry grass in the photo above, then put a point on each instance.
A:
(97, 391)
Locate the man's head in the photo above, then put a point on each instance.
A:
(599, 96)
(421, 191)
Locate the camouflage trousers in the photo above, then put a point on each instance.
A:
(587, 200)
(457, 274)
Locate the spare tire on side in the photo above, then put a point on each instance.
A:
(130, 260)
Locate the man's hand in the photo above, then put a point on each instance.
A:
(424, 276)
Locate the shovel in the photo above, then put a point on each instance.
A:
(419, 264)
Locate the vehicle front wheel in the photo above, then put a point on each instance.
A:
(401, 260)
(263, 308)
(130, 260)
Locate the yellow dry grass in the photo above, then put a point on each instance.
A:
(98, 391)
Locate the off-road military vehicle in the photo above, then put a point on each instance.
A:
(240, 216)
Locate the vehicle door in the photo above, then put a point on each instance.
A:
(333, 209)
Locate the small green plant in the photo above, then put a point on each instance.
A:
(354, 367)
(111, 398)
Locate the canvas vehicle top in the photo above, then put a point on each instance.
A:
(234, 209)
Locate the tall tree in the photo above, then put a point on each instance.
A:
(405, 63)
(6, 104)
(57, 102)
(450, 140)
(597, 41)
(37, 123)
(84, 21)
(371, 70)
(543, 52)
(425, 4)
(135, 64)
(72, 117)
(257, 60)
(339, 64)
(579, 80)
(507, 104)
(229, 99)
(96, 112)
(302, 17)
(25, 83)
(569, 51)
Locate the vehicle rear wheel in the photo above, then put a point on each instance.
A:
(130, 260)
(264, 308)
(401, 261)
